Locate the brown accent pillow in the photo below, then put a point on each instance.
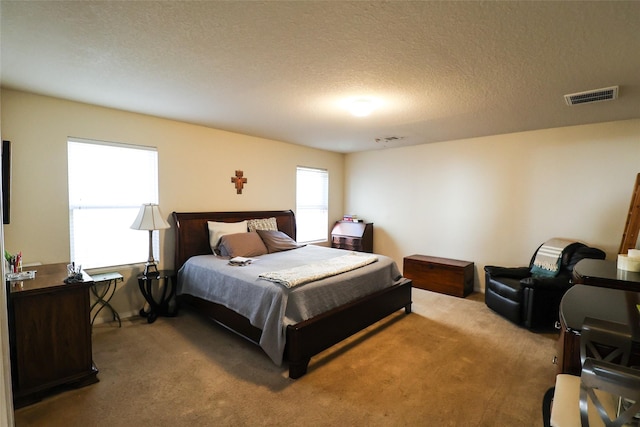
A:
(277, 241)
(241, 244)
(219, 229)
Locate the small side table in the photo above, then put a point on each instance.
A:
(108, 282)
(162, 307)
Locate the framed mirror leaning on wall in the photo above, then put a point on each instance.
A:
(630, 235)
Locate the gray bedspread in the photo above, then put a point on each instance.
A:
(270, 306)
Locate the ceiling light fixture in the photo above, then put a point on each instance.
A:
(361, 107)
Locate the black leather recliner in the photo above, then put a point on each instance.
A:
(533, 301)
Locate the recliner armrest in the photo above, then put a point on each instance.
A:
(512, 273)
(558, 282)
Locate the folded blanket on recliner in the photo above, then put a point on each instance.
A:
(549, 257)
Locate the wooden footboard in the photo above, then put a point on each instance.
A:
(310, 337)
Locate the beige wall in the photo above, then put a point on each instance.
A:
(195, 168)
(493, 200)
(490, 200)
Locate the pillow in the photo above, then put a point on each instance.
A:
(277, 241)
(219, 229)
(263, 224)
(241, 244)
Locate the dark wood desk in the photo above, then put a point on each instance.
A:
(582, 301)
(603, 273)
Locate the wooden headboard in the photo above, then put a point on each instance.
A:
(192, 232)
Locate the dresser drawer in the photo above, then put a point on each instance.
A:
(447, 276)
(349, 243)
(352, 236)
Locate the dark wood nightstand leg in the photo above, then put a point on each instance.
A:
(168, 292)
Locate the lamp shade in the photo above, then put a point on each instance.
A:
(149, 218)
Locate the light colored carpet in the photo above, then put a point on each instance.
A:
(452, 362)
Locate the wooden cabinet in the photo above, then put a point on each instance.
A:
(568, 346)
(354, 236)
(49, 334)
(448, 276)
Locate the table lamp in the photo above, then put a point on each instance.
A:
(150, 218)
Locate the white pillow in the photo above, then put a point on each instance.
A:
(219, 229)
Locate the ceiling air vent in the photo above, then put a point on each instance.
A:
(389, 139)
(597, 95)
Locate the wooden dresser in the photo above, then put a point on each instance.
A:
(448, 276)
(49, 334)
(354, 236)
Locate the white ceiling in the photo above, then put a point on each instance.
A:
(280, 70)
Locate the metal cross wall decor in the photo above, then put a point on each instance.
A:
(239, 181)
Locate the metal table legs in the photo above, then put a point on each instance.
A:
(107, 283)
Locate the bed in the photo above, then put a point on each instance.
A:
(303, 338)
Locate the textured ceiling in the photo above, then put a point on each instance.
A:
(280, 70)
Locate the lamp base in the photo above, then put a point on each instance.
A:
(151, 269)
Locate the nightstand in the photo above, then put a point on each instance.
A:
(166, 283)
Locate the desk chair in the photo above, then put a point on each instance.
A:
(606, 393)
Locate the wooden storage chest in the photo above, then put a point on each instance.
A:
(447, 276)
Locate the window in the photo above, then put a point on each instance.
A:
(108, 183)
(312, 204)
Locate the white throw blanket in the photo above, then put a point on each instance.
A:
(549, 257)
(300, 275)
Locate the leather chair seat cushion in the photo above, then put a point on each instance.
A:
(505, 287)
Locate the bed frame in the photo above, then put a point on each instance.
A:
(304, 339)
